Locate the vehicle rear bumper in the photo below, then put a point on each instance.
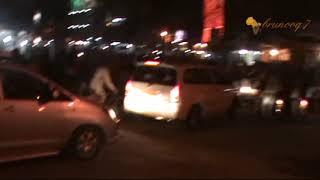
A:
(157, 110)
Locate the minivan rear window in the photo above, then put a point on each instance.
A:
(156, 75)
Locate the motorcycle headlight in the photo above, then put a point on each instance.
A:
(113, 115)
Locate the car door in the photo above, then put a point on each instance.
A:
(196, 89)
(222, 95)
(27, 126)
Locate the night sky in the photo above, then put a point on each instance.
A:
(171, 14)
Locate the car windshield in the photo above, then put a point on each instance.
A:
(156, 75)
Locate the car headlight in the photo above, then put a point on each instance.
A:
(248, 90)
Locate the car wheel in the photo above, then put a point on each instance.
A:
(86, 143)
(195, 118)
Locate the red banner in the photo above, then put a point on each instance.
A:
(214, 18)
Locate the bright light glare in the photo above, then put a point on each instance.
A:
(98, 39)
(71, 104)
(37, 17)
(304, 104)
(80, 54)
(24, 43)
(115, 43)
(112, 114)
(243, 52)
(117, 20)
(200, 52)
(105, 47)
(183, 43)
(151, 105)
(37, 40)
(274, 52)
(279, 102)
(129, 46)
(164, 33)
(7, 39)
(248, 90)
(152, 63)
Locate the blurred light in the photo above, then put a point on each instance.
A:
(80, 54)
(200, 45)
(155, 51)
(79, 12)
(304, 104)
(207, 55)
(164, 33)
(71, 104)
(24, 43)
(248, 90)
(197, 45)
(243, 52)
(41, 109)
(71, 42)
(183, 43)
(79, 43)
(204, 45)
(105, 47)
(179, 36)
(152, 63)
(118, 20)
(115, 43)
(7, 39)
(98, 39)
(112, 114)
(90, 38)
(49, 43)
(37, 40)
(160, 52)
(37, 17)
(279, 102)
(79, 26)
(187, 51)
(274, 52)
(129, 46)
(200, 52)
(159, 118)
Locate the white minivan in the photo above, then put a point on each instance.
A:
(178, 91)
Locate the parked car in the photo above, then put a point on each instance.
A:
(189, 92)
(39, 118)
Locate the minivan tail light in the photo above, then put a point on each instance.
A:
(175, 94)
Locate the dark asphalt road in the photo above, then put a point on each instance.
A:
(156, 150)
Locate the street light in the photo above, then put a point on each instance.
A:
(37, 17)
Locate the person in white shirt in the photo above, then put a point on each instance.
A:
(101, 82)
